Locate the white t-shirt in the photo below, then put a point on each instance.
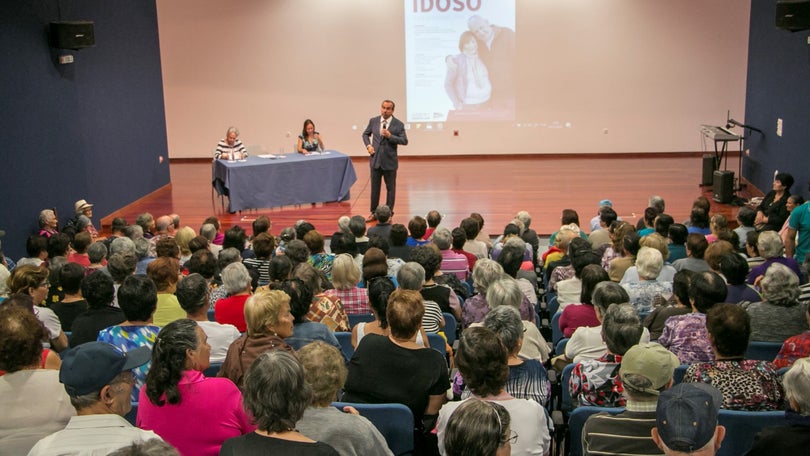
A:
(219, 338)
(51, 321)
(586, 343)
(528, 420)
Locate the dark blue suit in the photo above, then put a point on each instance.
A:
(384, 162)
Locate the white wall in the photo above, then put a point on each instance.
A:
(648, 71)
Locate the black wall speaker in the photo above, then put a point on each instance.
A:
(708, 170)
(72, 34)
(793, 15)
(723, 191)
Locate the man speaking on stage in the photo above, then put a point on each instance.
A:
(381, 137)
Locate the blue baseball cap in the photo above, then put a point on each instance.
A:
(687, 415)
(90, 366)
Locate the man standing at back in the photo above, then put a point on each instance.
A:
(381, 137)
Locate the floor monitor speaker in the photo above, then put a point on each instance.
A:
(723, 191)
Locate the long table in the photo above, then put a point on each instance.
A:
(291, 179)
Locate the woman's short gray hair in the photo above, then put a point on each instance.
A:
(235, 278)
(770, 244)
(504, 292)
(275, 392)
(411, 276)
(797, 385)
(621, 328)
(524, 217)
(45, 216)
(505, 322)
(649, 263)
(607, 293)
(442, 238)
(485, 273)
(780, 285)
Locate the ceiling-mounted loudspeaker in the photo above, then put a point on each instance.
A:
(72, 34)
(793, 15)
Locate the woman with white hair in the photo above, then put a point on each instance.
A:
(231, 310)
(771, 248)
(794, 437)
(648, 290)
(230, 147)
(485, 273)
(780, 315)
(506, 292)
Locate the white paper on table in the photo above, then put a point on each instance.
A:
(267, 156)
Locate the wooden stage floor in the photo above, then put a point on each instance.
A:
(496, 187)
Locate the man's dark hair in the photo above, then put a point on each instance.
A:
(58, 245)
(35, 245)
(662, 224)
(459, 238)
(607, 215)
(398, 235)
(357, 225)
(98, 290)
(707, 289)
(471, 227)
(678, 233)
(70, 277)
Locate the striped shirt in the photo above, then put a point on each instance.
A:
(224, 148)
(92, 434)
(627, 433)
(432, 318)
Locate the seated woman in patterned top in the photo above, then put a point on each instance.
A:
(751, 385)
(596, 382)
(309, 140)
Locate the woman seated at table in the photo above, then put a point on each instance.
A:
(230, 148)
(309, 140)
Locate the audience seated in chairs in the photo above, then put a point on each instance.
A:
(231, 310)
(679, 304)
(779, 315)
(648, 289)
(581, 255)
(686, 335)
(794, 348)
(380, 289)
(396, 369)
(430, 259)
(479, 428)
(794, 437)
(528, 378)
(269, 321)
(34, 404)
(346, 431)
(687, 420)
(751, 385)
(583, 313)
(192, 292)
(276, 395)
(646, 371)
(304, 331)
(734, 268)
(597, 382)
(33, 281)
(98, 289)
(345, 277)
(98, 378)
(483, 362)
(137, 297)
(506, 292)
(177, 393)
(325, 308)
(411, 276)
(587, 342)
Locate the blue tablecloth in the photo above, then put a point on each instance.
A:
(293, 179)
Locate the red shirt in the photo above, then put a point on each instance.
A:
(231, 310)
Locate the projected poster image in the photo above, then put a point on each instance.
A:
(459, 60)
